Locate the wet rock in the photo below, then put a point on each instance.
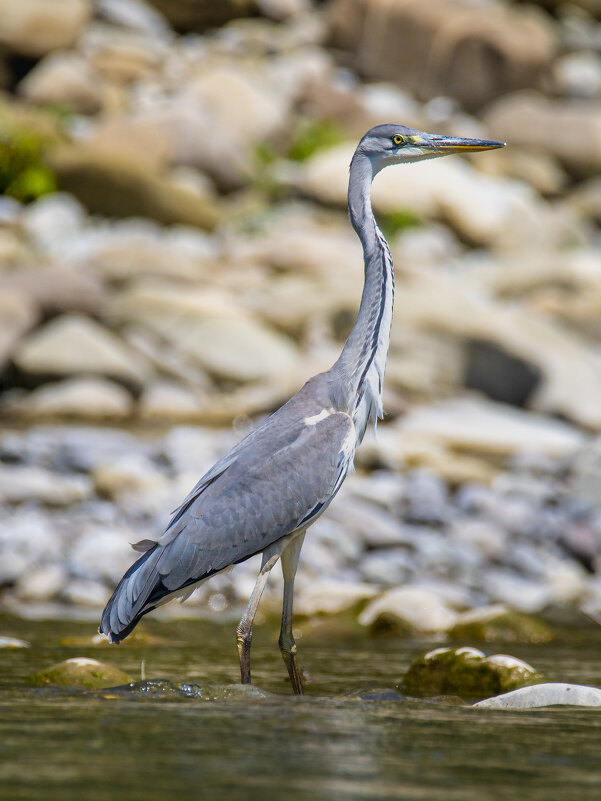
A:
(499, 623)
(79, 672)
(35, 27)
(556, 694)
(477, 53)
(13, 642)
(530, 120)
(467, 672)
(331, 597)
(79, 398)
(408, 609)
(19, 484)
(72, 343)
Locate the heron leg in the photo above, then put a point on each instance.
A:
(244, 631)
(286, 642)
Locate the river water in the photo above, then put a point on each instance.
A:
(346, 739)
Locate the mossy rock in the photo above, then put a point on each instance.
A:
(468, 673)
(79, 672)
(500, 624)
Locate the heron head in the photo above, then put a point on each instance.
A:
(396, 144)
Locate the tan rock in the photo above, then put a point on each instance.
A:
(168, 401)
(35, 27)
(239, 347)
(64, 78)
(19, 484)
(55, 288)
(470, 51)
(120, 187)
(480, 426)
(76, 344)
(79, 398)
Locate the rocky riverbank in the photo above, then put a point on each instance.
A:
(73, 498)
(176, 260)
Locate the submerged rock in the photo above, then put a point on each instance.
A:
(163, 688)
(467, 672)
(79, 672)
(555, 694)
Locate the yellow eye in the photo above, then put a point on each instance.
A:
(398, 139)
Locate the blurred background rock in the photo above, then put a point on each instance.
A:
(175, 261)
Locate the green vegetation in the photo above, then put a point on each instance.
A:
(24, 137)
(398, 220)
(314, 135)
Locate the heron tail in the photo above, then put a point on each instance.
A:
(139, 592)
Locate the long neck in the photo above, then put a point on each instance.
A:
(359, 371)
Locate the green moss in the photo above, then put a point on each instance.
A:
(79, 672)
(312, 136)
(468, 673)
(398, 220)
(23, 173)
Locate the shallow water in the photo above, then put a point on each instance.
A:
(331, 744)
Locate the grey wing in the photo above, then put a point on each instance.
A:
(280, 481)
(260, 497)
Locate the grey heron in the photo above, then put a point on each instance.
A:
(264, 494)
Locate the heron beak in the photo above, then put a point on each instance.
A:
(453, 144)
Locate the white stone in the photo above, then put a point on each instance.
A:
(72, 343)
(495, 428)
(237, 347)
(539, 695)
(420, 609)
(102, 553)
(19, 484)
(64, 78)
(41, 583)
(85, 398)
(165, 400)
(330, 597)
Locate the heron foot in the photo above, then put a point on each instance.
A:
(243, 640)
(296, 679)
